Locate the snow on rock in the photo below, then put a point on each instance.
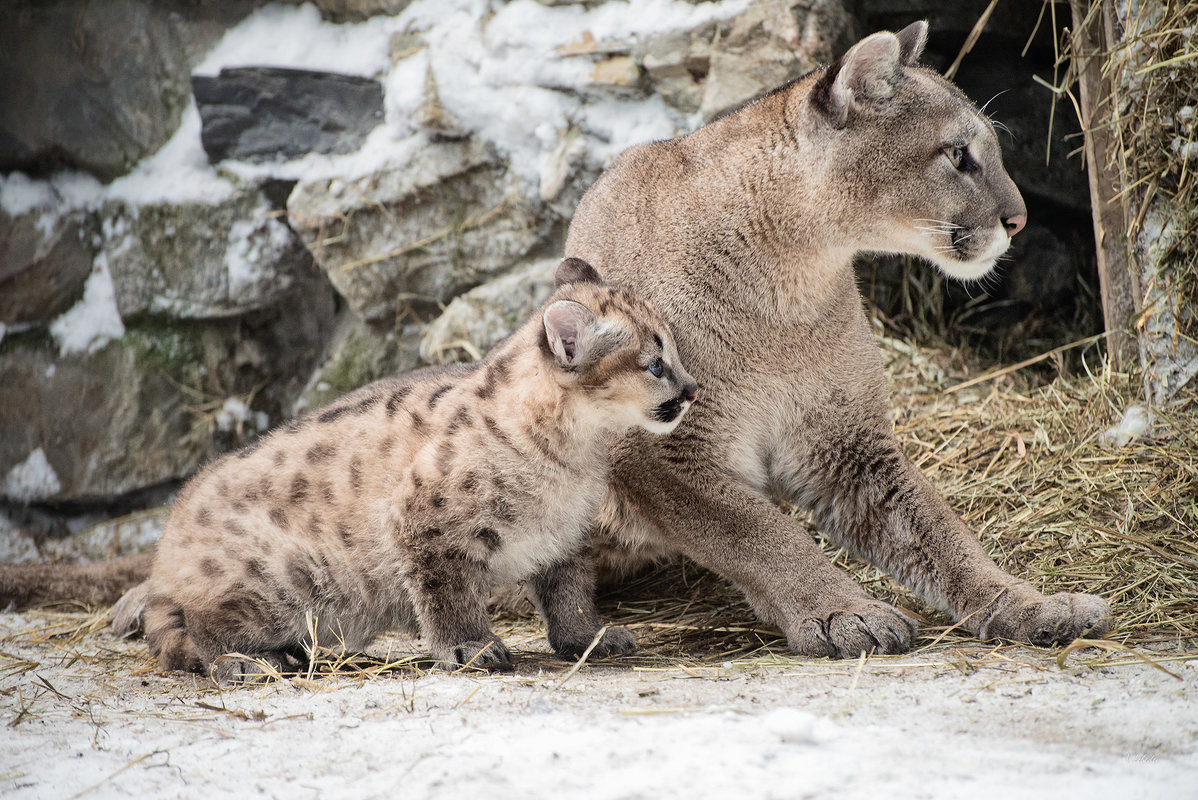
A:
(254, 247)
(297, 37)
(93, 321)
(32, 479)
(234, 413)
(1135, 423)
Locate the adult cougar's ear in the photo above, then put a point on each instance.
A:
(911, 42)
(867, 73)
(575, 270)
(575, 335)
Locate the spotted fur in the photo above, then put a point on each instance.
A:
(490, 473)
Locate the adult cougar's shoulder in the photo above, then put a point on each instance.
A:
(743, 233)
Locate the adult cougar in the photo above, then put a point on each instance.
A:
(743, 234)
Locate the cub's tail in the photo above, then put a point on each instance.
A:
(100, 583)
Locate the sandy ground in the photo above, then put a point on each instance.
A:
(86, 716)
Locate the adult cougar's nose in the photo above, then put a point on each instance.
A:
(1014, 224)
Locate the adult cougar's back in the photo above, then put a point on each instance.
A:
(743, 235)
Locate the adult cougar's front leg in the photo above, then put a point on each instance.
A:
(868, 495)
(727, 527)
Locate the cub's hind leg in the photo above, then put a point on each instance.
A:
(449, 590)
(168, 637)
(565, 595)
(231, 642)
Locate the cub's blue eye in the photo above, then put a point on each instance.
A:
(656, 368)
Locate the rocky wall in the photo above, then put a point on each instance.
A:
(214, 217)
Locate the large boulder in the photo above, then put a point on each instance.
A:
(427, 225)
(200, 260)
(358, 353)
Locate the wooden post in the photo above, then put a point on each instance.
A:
(1120, 295)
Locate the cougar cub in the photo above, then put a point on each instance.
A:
(403, 503)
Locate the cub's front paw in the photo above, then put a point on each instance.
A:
(490, 655)
(861, 626)
(615, 642)
(1025, 615)
(233, 669)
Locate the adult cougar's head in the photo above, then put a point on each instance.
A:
(914, 157)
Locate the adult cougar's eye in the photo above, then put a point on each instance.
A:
(656, 367)
(955, 155)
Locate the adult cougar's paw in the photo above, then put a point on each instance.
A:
(864, 626)
(1025, 615)
(492, 655)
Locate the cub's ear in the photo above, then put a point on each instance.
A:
(575, 270)
(866, 73)
(911, 42)
(574, 334)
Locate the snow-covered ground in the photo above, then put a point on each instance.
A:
(88, 720)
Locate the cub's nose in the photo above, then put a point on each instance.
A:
(1014, 224)
(690, 392)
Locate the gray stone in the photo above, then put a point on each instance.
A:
(359, 10)
(719, 65)
(475, 321)
(45, 259)
(152, 406)
(195, 260)
(91, 85)
(30, 535)
(440, 221)
(266, 113)
(357, 354)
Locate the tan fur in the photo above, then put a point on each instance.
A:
(743, 235)
(401, 504)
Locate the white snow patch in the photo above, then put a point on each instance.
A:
(32, 479)
(297, 38)
(1133, 425)
(797, 727)
(254, 245)
(19, 194)
(235, 412)
(502, 78)
(51, 198)
(93, 321)
(1186, 151)
(178, 173)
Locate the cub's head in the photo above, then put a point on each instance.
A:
(918, 158)
(613, 347)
